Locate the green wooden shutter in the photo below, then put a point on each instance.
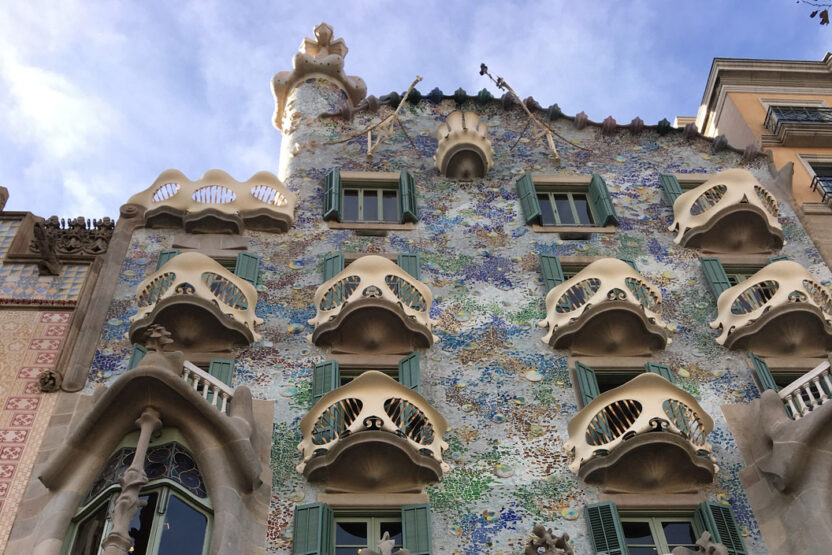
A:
(662, 370)
(587, 383)
(314, 525)
(715, 274)
(605, 529)
(672, 189)
(164, 256)
(248, 266)
(326, 376)
(763, 373)
(719, 521)
(136, 355)
(629, 261)
(416, 529)
(332, 195)
(408, 212)
(333, 265)
(410, 264)
(599, 197)
(778, 258)
(528, 198)
(221, 369)
(551, 270)
(409, 373)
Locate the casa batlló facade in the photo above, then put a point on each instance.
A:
(450, 323)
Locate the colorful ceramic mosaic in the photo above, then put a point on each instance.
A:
(507, 395)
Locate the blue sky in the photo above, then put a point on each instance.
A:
(98, 98)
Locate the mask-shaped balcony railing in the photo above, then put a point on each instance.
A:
(203, 305)
(731, 212)
(615, 439)
(373, 306)
(216, 203)
(782, 310)
(373, 434)
(607, 308)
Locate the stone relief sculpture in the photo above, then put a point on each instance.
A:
(385, 546)
(705, 545)
(546, 542)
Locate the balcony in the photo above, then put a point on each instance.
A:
(800, 125)
(206, 307)
(822, 185)
(373, 435)
(779, 311)
(729, 213)
(608, 308)
(807, 393)
(464, 151)
(210, 388)
(373, 307)
(216, 203)
(645, 436)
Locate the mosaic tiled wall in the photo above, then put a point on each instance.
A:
(507, 395)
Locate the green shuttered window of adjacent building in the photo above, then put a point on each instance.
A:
(528, 199)
(599, 197)
(604, 526)
(407, 198)
(222, 369)
(247, 267)
(313, 534)
(552, 271)
(409, 373)
(587, 383)
(662, 370)
(762, 372)
(410, 264)
(333, 265)
(715, 275)
(719, 521)
(672, 188)
(326, 376)
(416, 529)
(164, 256)
(332, 195)
(136, 355)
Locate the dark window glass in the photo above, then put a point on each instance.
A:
(582, 207)
(638, 533)
(823, 171)
(395, 529)
(89, 535)
(547, 213)
(139, 529)
(679, 534)
(391, 206)
(350, 209)
(611, 380)
(351, 533)
(642, 551)
(371, 206)
(183, 531)
(564, 209)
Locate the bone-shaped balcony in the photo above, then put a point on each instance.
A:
(373, 306)
(608, 308)
(216, 203)
(203, 305)
(731, 212)
(782, 310)
(646, 435)
(373, 434)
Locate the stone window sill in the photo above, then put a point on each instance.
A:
(572, 230)
(362, 227)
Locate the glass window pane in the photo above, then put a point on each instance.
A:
(395, 529)
(89, 535)
(370, 205)
(547, 213)
(642, 551)
(139, 529)
(351, 533)
(183, 530)
(391, 206)
(350, 209)
(679, 533)
(564, 210)
(582, 207)
(638, 533)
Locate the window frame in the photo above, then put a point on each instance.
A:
(379, 189)
(373, 520)
(552, 192)
(655, 518)
(361, 180)
(569, 184)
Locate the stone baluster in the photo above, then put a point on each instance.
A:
(127, 503)
(822, 394)
(794, 411)
(807, 389)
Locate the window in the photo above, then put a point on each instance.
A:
(565, 201)
(370, 197)
(822, 181)
(555, 271)
(244, 265)
(356, 532)
(724, 276)
(175, 519)
(328, 375)
(592, 381)
(658, 535)
(676, 184)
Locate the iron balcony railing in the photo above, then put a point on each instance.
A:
(779, 115)
(822, 185)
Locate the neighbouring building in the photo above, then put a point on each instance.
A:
(450, 323)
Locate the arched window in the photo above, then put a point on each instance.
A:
(174, 509)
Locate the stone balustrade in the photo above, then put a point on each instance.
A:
(808, 392)
(217, 203)
(213, 390)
